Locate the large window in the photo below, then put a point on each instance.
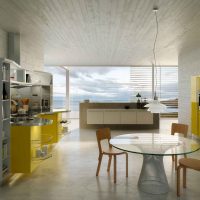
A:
(59, 86)
(99, 84)
(121, 84)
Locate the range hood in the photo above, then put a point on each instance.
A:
(13, 52)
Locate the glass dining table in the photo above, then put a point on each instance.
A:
(154, 147)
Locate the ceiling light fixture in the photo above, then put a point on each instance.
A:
(155, 106)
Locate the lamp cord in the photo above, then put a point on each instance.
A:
(154, 53)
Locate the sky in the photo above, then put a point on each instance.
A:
(100, 83)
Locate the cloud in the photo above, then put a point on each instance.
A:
(98, 85)
(77, 72)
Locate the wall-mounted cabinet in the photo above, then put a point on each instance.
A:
(4, 119)
(37, 88)
(17, 73)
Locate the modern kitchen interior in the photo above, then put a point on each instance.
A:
(100, 99)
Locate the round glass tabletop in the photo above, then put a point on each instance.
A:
(155, 144)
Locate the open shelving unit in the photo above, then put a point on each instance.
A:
(4, 119)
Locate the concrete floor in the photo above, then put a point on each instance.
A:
(70, 174)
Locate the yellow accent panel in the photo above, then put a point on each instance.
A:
(195, 88)
(195, 118)
(51, 133)
(24, 142)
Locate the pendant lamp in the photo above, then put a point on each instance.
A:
(155, 106)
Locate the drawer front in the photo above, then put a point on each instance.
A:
(95, 117)
(128, 117)
(112, 117)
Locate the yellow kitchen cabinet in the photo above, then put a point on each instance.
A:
(52, 134)
(195, 113)
(25, 140)
(195, 118)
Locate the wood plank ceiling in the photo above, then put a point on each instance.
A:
(104, 32)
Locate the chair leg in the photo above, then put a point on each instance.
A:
(99, 164)
(178, 181)
(175, 159)
(109, 163)
(115, 169)
(184, 177)
(126, 164)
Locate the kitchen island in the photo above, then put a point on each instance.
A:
(53, 133)
(116, 116)
(26, 146)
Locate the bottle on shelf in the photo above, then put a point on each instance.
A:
(5, 94)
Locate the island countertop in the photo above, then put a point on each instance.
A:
(35, 121)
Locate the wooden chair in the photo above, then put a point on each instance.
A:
(178, 128)
(185, 163)
(104, 134)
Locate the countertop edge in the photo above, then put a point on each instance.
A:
(35, 122)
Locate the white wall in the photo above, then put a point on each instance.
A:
(189, 65)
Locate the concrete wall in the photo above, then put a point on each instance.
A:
(189, 65)
(3, 44)
(31, 51)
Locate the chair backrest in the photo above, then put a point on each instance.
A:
(179, 128)
(103, 134)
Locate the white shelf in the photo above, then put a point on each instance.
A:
(20, 84)
(24, 84)
(6, 81)
(5, 122)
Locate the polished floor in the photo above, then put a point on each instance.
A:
(70, 174)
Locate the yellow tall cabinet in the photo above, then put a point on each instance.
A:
(195, 113)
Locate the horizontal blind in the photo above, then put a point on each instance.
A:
(168, 82)
(141, 81)
(165, 80)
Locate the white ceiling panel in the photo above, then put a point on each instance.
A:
(105, 32)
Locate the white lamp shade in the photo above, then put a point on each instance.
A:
(155, 107)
